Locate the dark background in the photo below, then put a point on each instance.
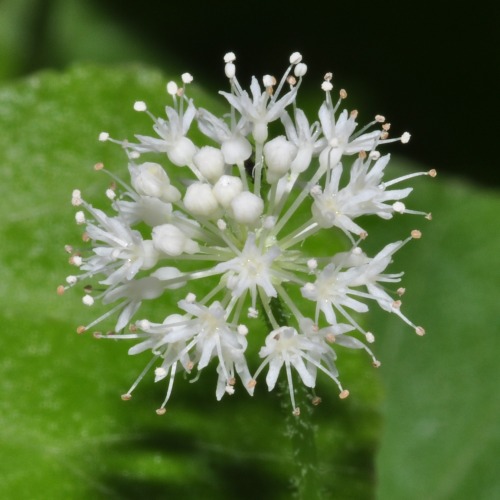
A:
(427, 66)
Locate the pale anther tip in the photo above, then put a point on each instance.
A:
(344, 394)
(140, 106)
(420, 331)
(80, 329)
(416, 234)
(126, 397)
(432, 172)
(161, 411)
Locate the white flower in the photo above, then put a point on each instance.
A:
(260, 109)
(244, 226)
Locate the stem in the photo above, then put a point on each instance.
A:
(299, 430)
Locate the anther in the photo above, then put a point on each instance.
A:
(379, 118)
(103, 136)
(432, 172)
(343, 94)
(405, 138)
(401, 291)
(296, 412)
(140, 106)
(416, 234)
(420, 331)
(370, 338)
(172, 88)
(126, 397)
(344, 394)
(300, 70)
(316, 401)
(326, 86)
(98, 166)
(60, 290)
(80, 330)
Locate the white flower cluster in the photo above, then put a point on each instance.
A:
(245, 214)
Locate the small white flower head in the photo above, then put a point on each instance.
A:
(240, 233)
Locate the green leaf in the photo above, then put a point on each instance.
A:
(64, 432)
(441, 434)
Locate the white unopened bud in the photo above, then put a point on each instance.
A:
(236, 150)
(226, 188)
(170, 240)
(247, 207)
(200, 200)
(278, 154)
(150, 179)
(181, 152)
(210, 162)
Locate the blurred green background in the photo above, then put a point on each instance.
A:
(424, 426)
